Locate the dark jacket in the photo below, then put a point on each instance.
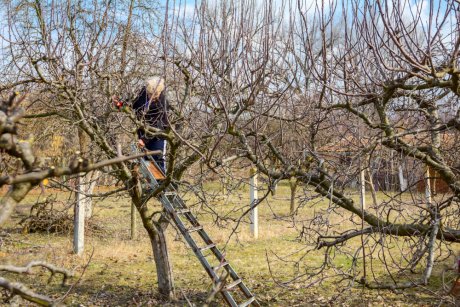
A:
(153, 113)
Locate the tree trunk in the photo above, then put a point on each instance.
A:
(163, 266)
(156, 234)
(8, 202)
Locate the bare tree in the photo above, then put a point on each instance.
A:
(334, 88)
(63, 54)
(27, 174)
(313, 92)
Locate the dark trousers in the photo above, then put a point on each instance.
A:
(158, 144)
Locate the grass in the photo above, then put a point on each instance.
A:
(117, 271)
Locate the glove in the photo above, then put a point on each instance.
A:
(117, 103)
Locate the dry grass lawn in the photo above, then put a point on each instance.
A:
(117, 271)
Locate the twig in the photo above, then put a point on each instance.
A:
(79, 278)
(28, 269)
(19, 289)
(60, 171)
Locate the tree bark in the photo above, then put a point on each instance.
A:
(8, 202)
(162, 264)
(155, 230)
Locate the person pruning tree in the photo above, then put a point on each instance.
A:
(151, 109)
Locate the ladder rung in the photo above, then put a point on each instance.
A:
(208, 247)
(248, 302)
(233, 284)
(221, 265)
(193, 229)
(170, 193)
(183, 211)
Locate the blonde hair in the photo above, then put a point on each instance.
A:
(154, 86)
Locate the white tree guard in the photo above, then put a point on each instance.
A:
(254, 214)
(79, 220)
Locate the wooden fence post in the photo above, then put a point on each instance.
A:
(133, 221)
(225, 180)
(254, 214)
(293, 185)
(362, 190)
(133, 229)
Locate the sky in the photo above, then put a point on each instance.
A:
(407, 8)
(187, 8)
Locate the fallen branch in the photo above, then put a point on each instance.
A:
(28, 269)
(19, 289)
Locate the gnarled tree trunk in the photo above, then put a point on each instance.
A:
(155, 230)
(163, 266)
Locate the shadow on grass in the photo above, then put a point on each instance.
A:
(114, 295)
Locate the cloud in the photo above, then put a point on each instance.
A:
(283, 9)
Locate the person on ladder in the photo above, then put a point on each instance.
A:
(151, 108)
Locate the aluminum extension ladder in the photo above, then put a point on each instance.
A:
(233, 290)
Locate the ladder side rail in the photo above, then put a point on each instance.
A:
(189, 238)
(191, 242)
(170, 208)
(241, 285)
(217, 253)
(204, 235)
(146, 172)
(194, 221)
(190, 217)
(180, 202)
(229, 298)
